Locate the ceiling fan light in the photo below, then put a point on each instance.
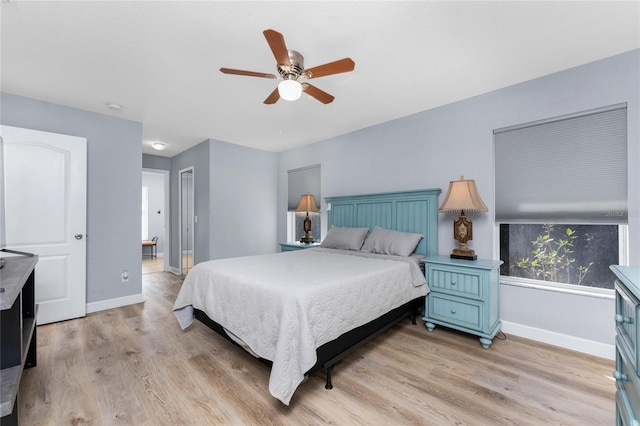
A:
(290, 90)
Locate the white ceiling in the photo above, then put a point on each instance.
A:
(160, 60)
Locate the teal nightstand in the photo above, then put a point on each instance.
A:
(464, 295)
(295, 245)
(627, 373)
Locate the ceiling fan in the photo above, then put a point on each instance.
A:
(290, 66)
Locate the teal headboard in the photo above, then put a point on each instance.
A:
(407, 211)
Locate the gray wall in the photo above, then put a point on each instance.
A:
(198, 157)
(244, 185)
(429, 149)
(235, 200)
(114, 155)
(155, 162)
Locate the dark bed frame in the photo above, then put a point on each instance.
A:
(407, 211)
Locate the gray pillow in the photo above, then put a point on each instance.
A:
(344, 238)
(387, 241)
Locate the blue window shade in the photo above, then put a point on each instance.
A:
(570, 169)
(302, 181)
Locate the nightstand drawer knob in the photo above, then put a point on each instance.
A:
(620, 376)
(453, 311)
(620, 319)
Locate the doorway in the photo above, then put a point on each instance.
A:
(186, 219)
(155, 219)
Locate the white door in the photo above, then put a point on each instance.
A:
(46, 205)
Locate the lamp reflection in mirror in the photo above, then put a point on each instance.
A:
(307, 205)
(463, 196)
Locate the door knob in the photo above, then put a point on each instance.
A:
(78, 236)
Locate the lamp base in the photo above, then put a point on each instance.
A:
(461, 256)
(465, 254)
(306, 240)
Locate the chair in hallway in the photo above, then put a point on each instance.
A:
(154, 247)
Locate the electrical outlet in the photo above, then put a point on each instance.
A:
(125, 276)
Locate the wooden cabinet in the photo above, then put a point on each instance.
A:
(627, 372)
(17, 330)
(294, 245)
(464, 296)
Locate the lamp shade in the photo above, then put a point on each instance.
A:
(290, 90)
(307, 204)
(462, 196)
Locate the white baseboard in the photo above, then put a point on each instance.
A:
(563, 340)
(174, 270)
(114, 303)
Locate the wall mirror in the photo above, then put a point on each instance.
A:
(186, 237)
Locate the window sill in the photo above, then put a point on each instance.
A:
(597, 293)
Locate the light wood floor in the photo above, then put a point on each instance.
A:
(134, 365)
(151, 264)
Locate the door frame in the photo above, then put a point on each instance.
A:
(192, 222)
(166, 183)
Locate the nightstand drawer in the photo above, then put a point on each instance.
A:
(628, 388)
(454, 281)
(627, 317)
(465, 313)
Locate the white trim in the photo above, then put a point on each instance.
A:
(623, 244)
(175, 271)
(167, 209)
(566, 341)
(180, 208)
(291, 226)
(118, 302)
(595, 292)
(145, 213)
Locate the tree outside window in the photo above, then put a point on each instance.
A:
(569, 254)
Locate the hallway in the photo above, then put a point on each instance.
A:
(150, 265)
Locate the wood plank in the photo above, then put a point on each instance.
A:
(36, 408)
(72, 396)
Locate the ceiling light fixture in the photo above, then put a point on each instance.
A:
(290, 90)
(114, 107)
(159, 146)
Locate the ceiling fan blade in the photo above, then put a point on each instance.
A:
(273, 97)
(320, 95)
(247, 73)
(337, 67)
(278, 47)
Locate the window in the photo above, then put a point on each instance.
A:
(301, 181)
(569, 254)
(561, 198)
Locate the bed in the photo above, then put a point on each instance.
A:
(302, 311)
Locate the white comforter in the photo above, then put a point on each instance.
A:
(286, 305)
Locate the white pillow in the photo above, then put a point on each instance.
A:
(344, 238)
(387, 241)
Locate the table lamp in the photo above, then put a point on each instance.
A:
(463, 196)
(307, 205)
